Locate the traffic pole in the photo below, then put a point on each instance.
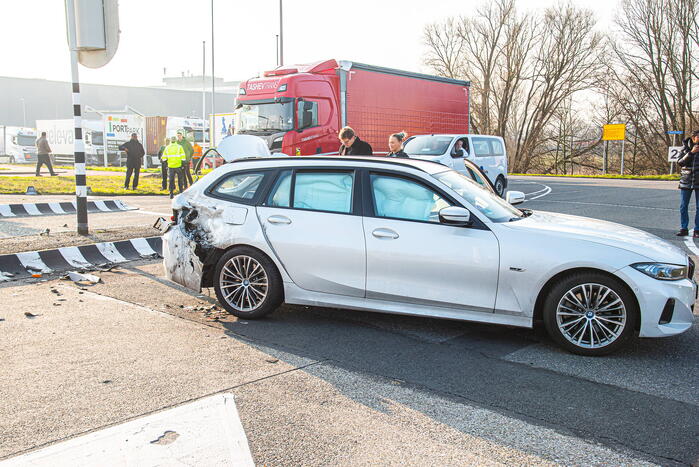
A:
(622, 157)
(79, 146)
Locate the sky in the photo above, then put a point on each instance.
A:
(165, 36)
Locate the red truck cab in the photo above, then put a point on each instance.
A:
(299, 109)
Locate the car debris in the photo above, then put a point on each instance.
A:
(82, 277)
(30, 315)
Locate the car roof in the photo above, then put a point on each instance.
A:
(423, 166)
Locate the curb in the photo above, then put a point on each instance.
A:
(66, 207)
(22, 265)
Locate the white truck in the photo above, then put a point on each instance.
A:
(60, 134)
(17, 144)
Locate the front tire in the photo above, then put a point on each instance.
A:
(247, 283)
(590, 314)
(500, 186)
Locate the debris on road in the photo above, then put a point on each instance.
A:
(30, 315)
(82, 277)
(46, 232)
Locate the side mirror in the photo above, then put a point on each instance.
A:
(515, 197)
(458, 154)
(455, 215)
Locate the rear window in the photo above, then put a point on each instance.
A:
(427, 145)
(240, 186)
(496, 147)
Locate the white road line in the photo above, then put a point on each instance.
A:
(56, 207)
(110, 252)
(32, 261)
(101, 206)
(153, 213)
(142, 246)
(5, 211)
(73, 256)
(31, 209)
(204, 432)
(545, 191)
(689, 241)
(610, 204)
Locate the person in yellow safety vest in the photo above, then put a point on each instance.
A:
(196, 156)
(175, 156)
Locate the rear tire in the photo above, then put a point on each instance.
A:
(247, 283)
(590, 314)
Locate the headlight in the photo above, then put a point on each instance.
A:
(661, 271)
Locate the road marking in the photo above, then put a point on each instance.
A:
(142, 246)
(31, 209)
(689, 241)
(56, 207)
(73, 256)
(543, 192)
(610, 204)
(204, 432)
(110, 252)
(152, 213)
(32, 261)
(101, 206)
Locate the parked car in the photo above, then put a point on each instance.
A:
(487, 152)
(414, 237)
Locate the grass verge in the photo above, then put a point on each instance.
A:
(148, 184)
(622, 177)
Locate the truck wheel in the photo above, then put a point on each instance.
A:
(247, 283)
(590, 314)
(500, 185)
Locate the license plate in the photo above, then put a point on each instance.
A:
(162, 224)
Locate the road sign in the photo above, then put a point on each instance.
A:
(673, 153)
(614, 132)
(675, 132)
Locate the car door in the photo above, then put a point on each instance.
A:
(412, 257)
(311, 221)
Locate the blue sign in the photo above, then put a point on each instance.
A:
(675, 132)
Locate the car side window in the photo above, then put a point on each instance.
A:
(313, 190)
(496, 147)
(239, 186)
(481, 147)
(280, 194)
(399, 198)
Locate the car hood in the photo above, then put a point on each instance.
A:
(607, 233)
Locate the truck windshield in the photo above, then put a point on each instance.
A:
(97, 138)
(198, 134)
(265, 118)
(26, 140)
(427, 145)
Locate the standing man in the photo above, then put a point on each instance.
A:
(196, 156)
(689, 183)
(188, 150)
(42, 151)
(352, 145)
(174, 156)
(163, 165)
(134, 159)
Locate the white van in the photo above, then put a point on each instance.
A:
(17, 145)
(487, 152)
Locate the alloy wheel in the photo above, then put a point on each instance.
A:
(243, 283)
(591, 316)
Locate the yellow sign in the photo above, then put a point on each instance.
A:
(614, 132)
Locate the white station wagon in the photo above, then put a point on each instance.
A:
(414, 237)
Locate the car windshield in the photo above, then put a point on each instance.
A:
(482, 199)
(265, 118)
(427, 145)
(26, 140)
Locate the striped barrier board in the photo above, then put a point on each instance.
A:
(66, 207)
(22, 265)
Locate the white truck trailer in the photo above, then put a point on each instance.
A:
(17, 144)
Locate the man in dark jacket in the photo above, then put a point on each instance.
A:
(42, 152)
(352, 145)
(134, 159)
(188, 150)
(689, 183)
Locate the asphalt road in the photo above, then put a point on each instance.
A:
(358, 387)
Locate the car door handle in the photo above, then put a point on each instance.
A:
(278, 220)
(385, 233)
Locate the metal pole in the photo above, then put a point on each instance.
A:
(672, 164)
(203, 92)
(24, 112)
(622, 157)
(281, 35)
(604, 159)
(213, 76)
(79, 147)
(276, 42)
